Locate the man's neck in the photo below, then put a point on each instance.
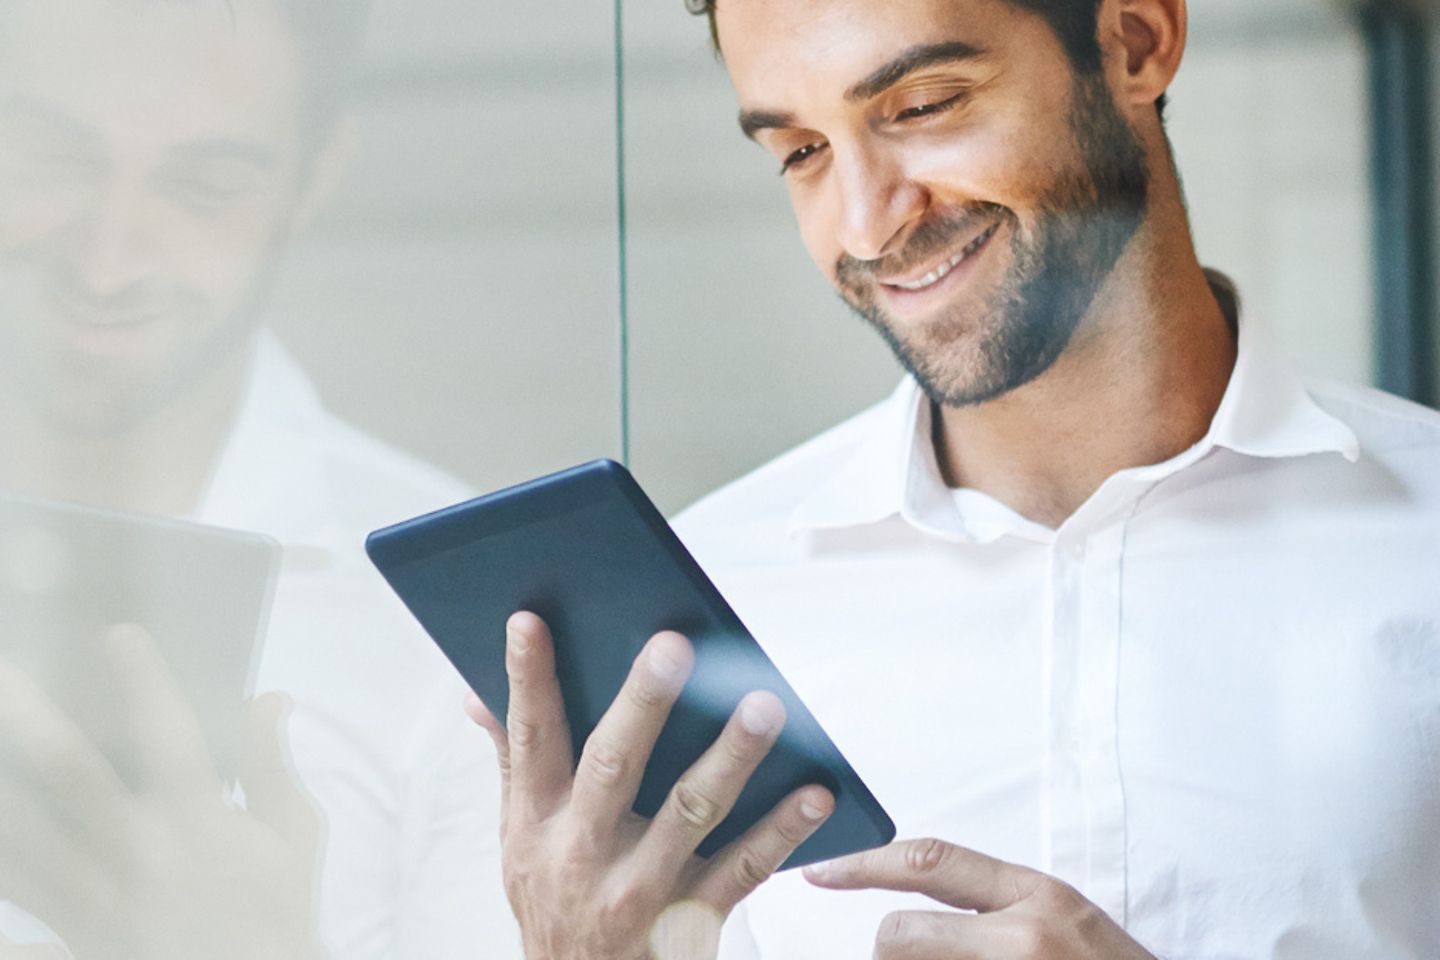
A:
(1139, 383)
(160, 465)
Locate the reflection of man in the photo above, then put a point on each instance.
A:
(155, 160)
(1102, 590)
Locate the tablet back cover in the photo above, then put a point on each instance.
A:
(588, 552)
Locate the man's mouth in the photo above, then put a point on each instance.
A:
(942, 269)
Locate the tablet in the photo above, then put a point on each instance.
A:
(69, 574)
(586, 550)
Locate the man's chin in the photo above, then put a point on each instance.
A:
(91, 408)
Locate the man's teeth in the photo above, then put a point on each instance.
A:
(934, 276)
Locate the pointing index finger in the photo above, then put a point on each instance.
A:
(952, 875)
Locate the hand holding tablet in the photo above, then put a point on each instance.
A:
(585, 875)
(586, 552)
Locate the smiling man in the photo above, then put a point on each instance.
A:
(1102, 590)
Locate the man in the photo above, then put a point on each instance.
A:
(156, 161)
(1102, 590)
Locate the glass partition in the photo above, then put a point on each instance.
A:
(273, 274)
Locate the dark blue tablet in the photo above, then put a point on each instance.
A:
(587, 551)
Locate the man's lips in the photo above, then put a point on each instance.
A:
(938, 272)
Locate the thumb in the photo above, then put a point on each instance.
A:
(952, 875)
(273, 793)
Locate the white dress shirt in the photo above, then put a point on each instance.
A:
(405, 782)
(1210, 700)
(405, 785)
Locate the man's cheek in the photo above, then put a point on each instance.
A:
(220, 258)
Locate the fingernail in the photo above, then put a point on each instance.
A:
(518, 642)
(811, 810)
(664, 664)
(758, 717)
(821, 870)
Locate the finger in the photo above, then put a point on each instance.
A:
(736, 871)
(78, 782)
(688, 930)
(613, 762)
(478, 712)
(273, 792)
(42, 869)
(169, 746)
(705, 793)
(541, 758)
(921, 935)
(953, 875)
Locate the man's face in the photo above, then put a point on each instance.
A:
(964, 190)
(150, 167)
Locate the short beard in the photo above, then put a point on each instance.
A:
(1082, 227)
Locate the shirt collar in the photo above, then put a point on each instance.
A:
(1264, 412)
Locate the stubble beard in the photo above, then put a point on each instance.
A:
(81, 396)
(1083, 224)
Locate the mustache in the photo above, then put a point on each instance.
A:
(929, 238)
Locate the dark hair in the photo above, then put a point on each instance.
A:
(330, 35)
(1075, 22)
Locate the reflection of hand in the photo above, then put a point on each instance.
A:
(1022, 914)
(168, 871)
(587, 878)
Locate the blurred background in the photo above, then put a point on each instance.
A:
(460, 297)
(301, 268)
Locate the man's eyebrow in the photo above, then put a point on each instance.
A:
(753, 121)
(916, 58)
(35, 111)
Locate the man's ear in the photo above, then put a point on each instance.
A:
(327, 169)
(1144, 41)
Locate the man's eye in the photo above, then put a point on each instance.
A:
(928, 109)
(800, 156)
(209, 190)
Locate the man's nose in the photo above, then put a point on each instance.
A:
(879, 203)
(109, 243)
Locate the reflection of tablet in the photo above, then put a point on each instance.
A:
(586, 550)
(69, 573)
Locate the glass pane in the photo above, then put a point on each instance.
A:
(273, 274)
(1271, 133)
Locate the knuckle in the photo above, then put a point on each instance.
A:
(604, 762)
(1032, 940)
(750, 869)
(623, 907)
(524, 733)
(693, 805)
(791, 832)
(1053, 893)
(895, 930)
(575, 852)
(740, 750)
(927, 856)
(646, 696)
